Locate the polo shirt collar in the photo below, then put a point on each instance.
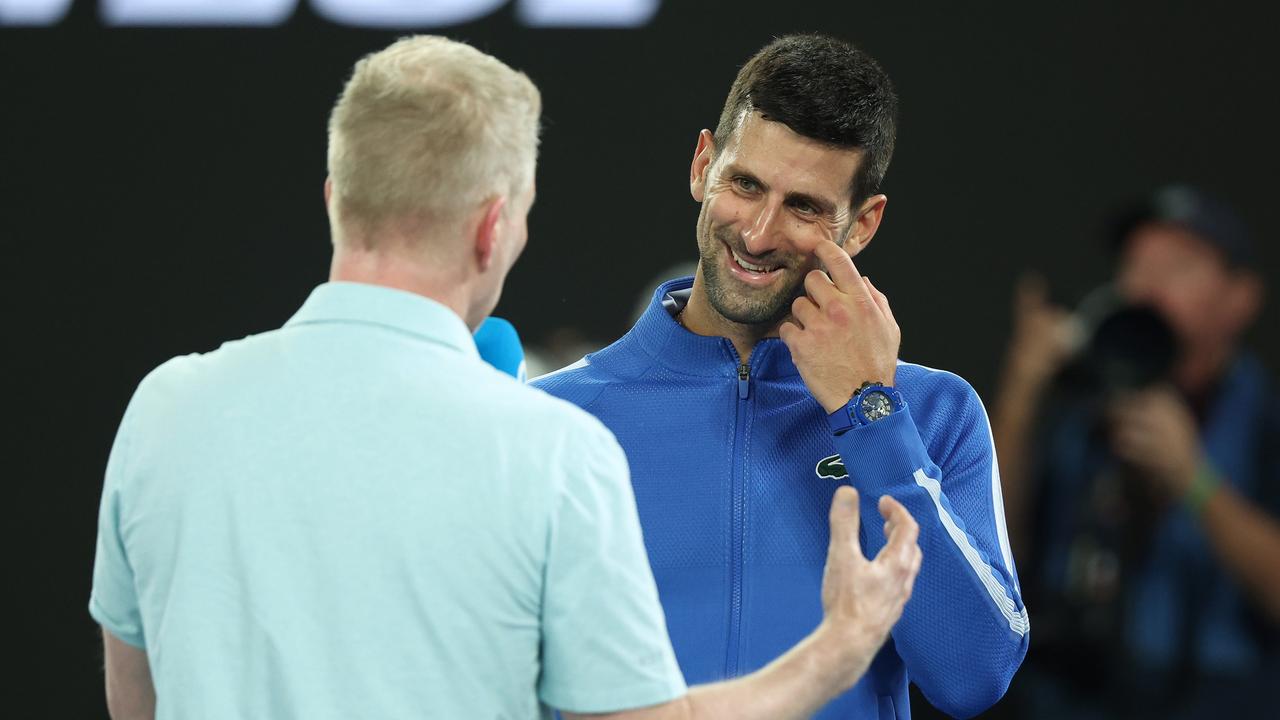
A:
(407, 312)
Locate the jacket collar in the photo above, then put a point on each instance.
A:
(400, 310)
(667, 341)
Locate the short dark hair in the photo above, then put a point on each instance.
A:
(825, 89)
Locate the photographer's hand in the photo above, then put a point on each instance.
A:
(1155, 431)
(1044, 335)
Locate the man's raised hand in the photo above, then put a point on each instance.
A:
(842, 332)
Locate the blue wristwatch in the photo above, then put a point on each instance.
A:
(871, 402)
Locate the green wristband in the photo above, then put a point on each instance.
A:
(1202, 487)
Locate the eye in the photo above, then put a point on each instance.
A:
(746, 184)
(804, 207)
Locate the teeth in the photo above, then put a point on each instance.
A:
(748, 266)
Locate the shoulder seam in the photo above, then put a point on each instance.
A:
(581, 364)
(935, 370)
(578, 364)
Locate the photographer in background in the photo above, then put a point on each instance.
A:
(1138, 449)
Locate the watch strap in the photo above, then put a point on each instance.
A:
(846, 416)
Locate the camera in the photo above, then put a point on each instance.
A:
(1124, 346)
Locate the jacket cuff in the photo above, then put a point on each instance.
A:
(883, 453)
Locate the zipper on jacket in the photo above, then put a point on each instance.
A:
(738, 535)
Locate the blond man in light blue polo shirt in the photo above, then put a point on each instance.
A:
(355, 517)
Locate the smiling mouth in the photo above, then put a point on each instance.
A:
(751, 267)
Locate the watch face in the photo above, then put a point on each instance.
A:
(876, 405)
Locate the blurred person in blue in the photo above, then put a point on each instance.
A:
(1140, 448)
(355, 516)
(746, 394)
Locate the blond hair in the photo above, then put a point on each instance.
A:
(429, 128)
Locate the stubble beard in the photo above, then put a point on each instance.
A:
(733, 300)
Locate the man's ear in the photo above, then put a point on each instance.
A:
(328, 191)
(486, 235)
(865, 224)
(703, 155)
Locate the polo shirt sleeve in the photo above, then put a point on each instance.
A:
(114, 600)
(604, 637)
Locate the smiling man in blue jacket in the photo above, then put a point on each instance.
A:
(745, 395)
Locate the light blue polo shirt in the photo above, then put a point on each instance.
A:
(356, 517)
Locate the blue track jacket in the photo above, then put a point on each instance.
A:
(734, 467)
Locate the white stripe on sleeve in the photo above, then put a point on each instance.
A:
(1019, 623)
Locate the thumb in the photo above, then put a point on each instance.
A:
(844, 524)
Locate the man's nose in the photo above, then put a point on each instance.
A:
(761, 236)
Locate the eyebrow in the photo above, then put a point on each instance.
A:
(823, 205)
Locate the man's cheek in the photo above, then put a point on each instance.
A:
(726, 208)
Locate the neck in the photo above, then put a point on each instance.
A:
(700, 318)
(394, 269)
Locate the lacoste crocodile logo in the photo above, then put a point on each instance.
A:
(831, 467)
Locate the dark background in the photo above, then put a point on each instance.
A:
(160, 192)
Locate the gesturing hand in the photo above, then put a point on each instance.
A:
(842, 332)
(862, 599)
(1044, 335)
